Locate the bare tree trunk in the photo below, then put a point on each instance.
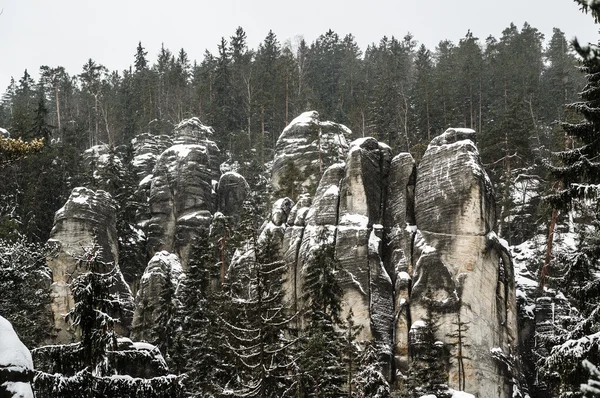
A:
(262, 131)
(362, 115)
(287, 100)
(96, 119)
(427, 111)
(480, 113)
(57, 111)
(471, 103)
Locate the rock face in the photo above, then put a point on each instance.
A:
(348, 209)
(232, 191)
(182, 194)
(16, 365)
(146, 149)
(87, 217)
(305, 148)
(180, 176)
(417, 246)
(462, 272)
(161, 267)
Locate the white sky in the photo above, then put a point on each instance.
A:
(68, 32)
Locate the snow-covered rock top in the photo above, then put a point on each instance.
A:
(163, 262)
(453, 135)
(305, 148)
(192, 131)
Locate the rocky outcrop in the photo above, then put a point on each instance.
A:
(347, 210)
(164, 268)
(182, 194)
(16, 365)
(232, 192)
(417, 249)
(146, 150)
(463, 274)
(87, 219)
(306, 148)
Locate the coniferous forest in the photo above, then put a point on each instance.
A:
(212, 317)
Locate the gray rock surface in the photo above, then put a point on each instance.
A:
(411, 241)
(182, 195)
(146, 150)
(147, 300)
(232, 192)
(348, 208)
(462, 271)
(311, 146)
(87, 217)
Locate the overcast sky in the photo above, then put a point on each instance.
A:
(68, 32)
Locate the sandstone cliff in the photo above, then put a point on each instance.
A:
(416, 245)
(86, 219)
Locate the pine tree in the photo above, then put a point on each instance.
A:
(168, 321)
(421, 97)
(40, 127)
(25, 275)
(428, 370)
(350, 349)
(258, 335)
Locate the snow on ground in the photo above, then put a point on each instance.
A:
(13, 353)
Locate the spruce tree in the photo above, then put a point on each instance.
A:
(95, 308)
(257, 336)
(25, 279)
(578, 171)
(321, 362)
(369, 380)
(208, 365)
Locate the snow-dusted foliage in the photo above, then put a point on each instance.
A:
(85, 384)
(25, 280)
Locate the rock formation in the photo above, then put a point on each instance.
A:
(146, 150)
(232, 191)
(182, 194)
(462, 272)
(161, 267)
(305, 148)
(417, 246)
(86, 219)
(181, 178)
(16, 366)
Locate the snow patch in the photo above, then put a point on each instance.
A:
(357, 220)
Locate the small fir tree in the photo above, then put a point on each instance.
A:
(95, 308)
